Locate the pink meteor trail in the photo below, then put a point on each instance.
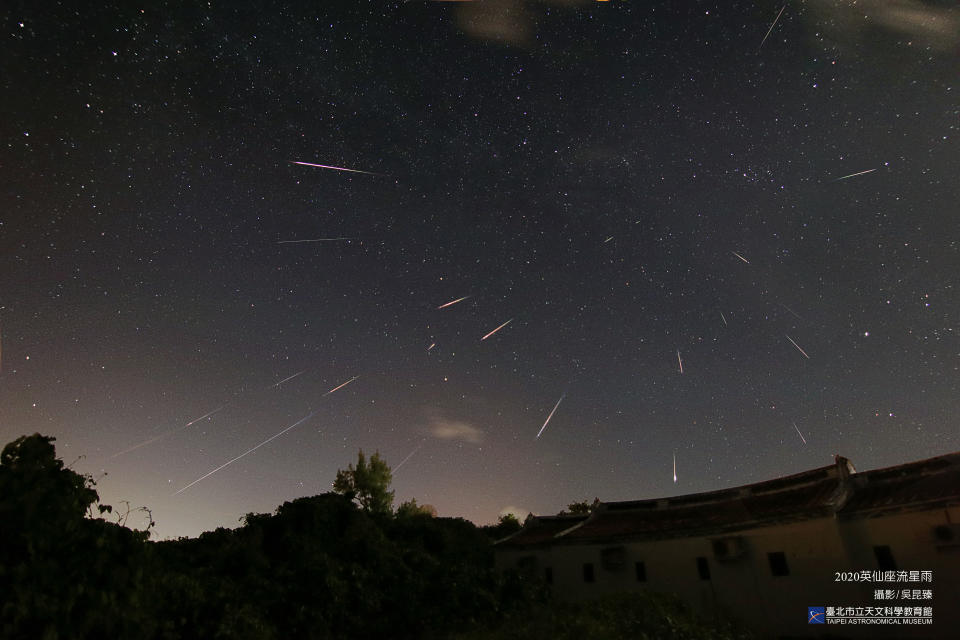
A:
(740, 256)
(674, 468)
(452, 302)
(341, 386)
(550, 416)
(326, 166)
(273, 437)
(798, 347)
(497, 329)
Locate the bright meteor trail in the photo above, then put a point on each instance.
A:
(273, 437)
(497, 329)
(798, 433)
(326, 166)
(550, 416)
(854, 175)
(341, 386)
(740, 256)
(771, 28)
(798, 347)
(277, 384)
(452, 302)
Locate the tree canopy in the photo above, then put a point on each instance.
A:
(368, 483)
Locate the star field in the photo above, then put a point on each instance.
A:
(618, 190)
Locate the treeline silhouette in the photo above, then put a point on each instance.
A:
(319, 567)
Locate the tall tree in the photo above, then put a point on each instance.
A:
(367, 483)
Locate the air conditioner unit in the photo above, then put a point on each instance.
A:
(728, 548)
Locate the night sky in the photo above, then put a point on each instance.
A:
(657, 204)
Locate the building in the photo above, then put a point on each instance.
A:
(764, 553)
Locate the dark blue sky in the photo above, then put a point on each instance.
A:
(625, 182)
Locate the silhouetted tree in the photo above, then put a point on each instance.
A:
(367, 483)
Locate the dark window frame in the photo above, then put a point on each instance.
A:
(640, 570)
(778, 563)
(589, 575)
(703, 568)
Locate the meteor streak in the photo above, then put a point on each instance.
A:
(432, 345)
(798, 433)
(723, 318)
(341, 386)
(277, 384)
(674, 468)
(550, 416)
(497, 329)
(273, 437)
(771, 29)
(410, 455)
(326, 166)
(452, 302)
(679, 360)
(798, 347)
(740, 256)
(167, 433)
(314, 240)
(854, 175)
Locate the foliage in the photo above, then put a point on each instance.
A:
(367, 483)
(410, 509)
(508, 524)
(643, 615)
(580, 507)
(319, 567)
(63, 574)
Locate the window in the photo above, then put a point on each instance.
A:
(548, 575)
(884, 558)
(778, 563)
(641, 572)
(703, 568)
(588, 572)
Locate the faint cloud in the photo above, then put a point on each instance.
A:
(510, 22)
(928, 25)
(447, 429)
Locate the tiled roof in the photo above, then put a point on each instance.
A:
(827, 491)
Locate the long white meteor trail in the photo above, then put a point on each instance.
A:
(854, 175)
(410, 455)
(798, 433)
(341, 386)
(550, 416)
(246, 453)
(497, 329)
(326, 166)
(679, 360)
(674, 468)
(277, 384)
(452, 302)
(798, 347)
(740, 256)
(771, 28)
(314, 240)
